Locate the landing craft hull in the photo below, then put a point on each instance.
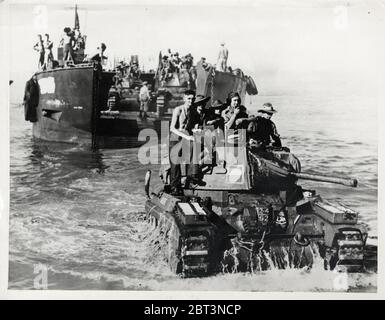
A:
(218, 85)
(70, 105)
(209, 82)
(65, 109)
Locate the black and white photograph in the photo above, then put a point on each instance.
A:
(184, 146)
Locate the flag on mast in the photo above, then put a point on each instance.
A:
(77, 24)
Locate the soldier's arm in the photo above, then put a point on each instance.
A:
(276, 137)
(243, 117)
(228, 119)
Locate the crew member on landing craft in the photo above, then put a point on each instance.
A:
(67, 42)
(31, 99)
(39, 47)
(100, 56)
(48, 55)
(202, 63)
(144, 98)
(222, 58)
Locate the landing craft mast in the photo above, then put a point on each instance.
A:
(77, 23)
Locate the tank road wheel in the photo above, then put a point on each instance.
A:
(153, 223)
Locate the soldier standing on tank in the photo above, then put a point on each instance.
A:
(235, 115)
(213, 115)
(262, 130)
(196, 121)
(262, 134)
(178, 133)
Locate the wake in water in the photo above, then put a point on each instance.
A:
(278, 270)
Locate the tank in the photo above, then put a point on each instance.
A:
(251, 214)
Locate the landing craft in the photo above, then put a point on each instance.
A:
(82, 102)
(251, 215)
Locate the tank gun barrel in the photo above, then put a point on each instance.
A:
(350, 182)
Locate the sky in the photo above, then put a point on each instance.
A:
(282, 44)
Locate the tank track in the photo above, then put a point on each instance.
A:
(348, 252)
(195, 245)
(195, 252)
(187, 248)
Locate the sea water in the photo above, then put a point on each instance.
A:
(79, 214)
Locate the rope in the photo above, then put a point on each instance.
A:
(95, 109)
(212, 84)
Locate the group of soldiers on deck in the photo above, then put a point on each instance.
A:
(193, 116)
(71, 41)
(172, 63)
(44, 48)
(130, 71)
(73, 45)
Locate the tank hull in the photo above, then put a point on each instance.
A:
(256, 228)
(247, 236)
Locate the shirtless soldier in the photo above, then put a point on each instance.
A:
(179, 133)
